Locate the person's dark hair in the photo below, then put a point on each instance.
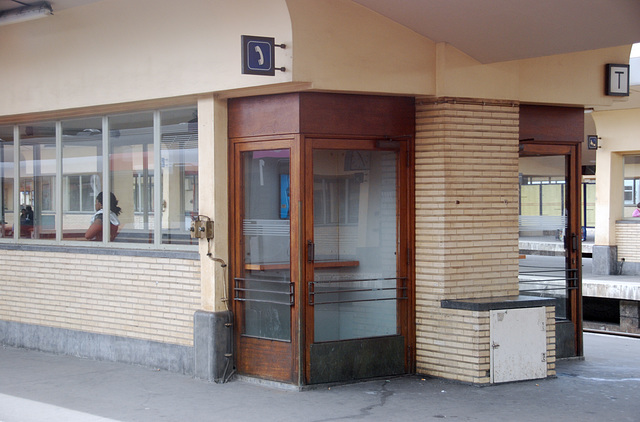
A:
(114, 203)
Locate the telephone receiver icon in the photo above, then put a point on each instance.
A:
(259, 51)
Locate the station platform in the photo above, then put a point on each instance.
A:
(36, 386)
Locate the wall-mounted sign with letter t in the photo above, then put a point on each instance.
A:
(617, 80)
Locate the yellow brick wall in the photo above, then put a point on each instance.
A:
(138, 297)
(551, 341)
(453, 344)
(627, 235)
(466, 228)
(466, 200)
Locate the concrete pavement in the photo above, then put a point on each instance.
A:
(36, 386)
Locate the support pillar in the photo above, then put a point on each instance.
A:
(604, 260)
(629, 313)
(213, 324)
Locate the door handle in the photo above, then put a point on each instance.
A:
(311, 251)
(574, 241)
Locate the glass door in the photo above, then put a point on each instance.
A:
(265, 270)
(549, 241)
(357, 284)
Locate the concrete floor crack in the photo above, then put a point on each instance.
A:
(384, 395)
(365, 412)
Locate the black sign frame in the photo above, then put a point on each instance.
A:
(258, 55)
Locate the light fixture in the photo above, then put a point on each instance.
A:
(26, 13)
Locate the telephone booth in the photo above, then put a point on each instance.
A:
(321, 229)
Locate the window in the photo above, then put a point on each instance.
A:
(37, 169)
(81, 173)
(340, 199)
(179, 174)
(7, 220)
(631, 184)
(542, 195)
(131, 168)
(147, 160)
(82, 191)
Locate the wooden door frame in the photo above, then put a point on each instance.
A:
(277, 360)
(571, 151)
(406, 232)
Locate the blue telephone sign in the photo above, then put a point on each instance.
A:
(258, 55)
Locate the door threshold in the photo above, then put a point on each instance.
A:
(279, 385)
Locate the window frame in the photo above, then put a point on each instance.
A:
(631, 181)
(57, 188)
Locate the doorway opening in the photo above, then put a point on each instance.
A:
(550, 235)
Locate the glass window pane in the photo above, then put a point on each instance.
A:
(131, 164)
(542, 226)
(7, 220)
(266, 285)
(37, 181)
(81, 175)
(631, 186)
(355, 235)
(590, 205)
(179, 170)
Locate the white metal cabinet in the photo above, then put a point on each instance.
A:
(518, 344)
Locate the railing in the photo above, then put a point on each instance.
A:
(357, 290)
(260, 290)
(548, 282)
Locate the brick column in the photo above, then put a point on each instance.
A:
(466, 228)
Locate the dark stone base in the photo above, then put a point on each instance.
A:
(213, 345)
(168, 357)
(348, 360)
(565, 340)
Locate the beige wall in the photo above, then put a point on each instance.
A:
(542, 166)
(576, 78)
(119, 51)
(341, 45)
(619, 132)
(116, 51)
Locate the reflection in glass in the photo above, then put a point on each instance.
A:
(81, 174)
(179, 170)
(631, 186)
(266, 287)
(131, 163)
(543, 224)
(355, 234)
(37, 181)
(7, 220)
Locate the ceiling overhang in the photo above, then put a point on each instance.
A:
(492, 31)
